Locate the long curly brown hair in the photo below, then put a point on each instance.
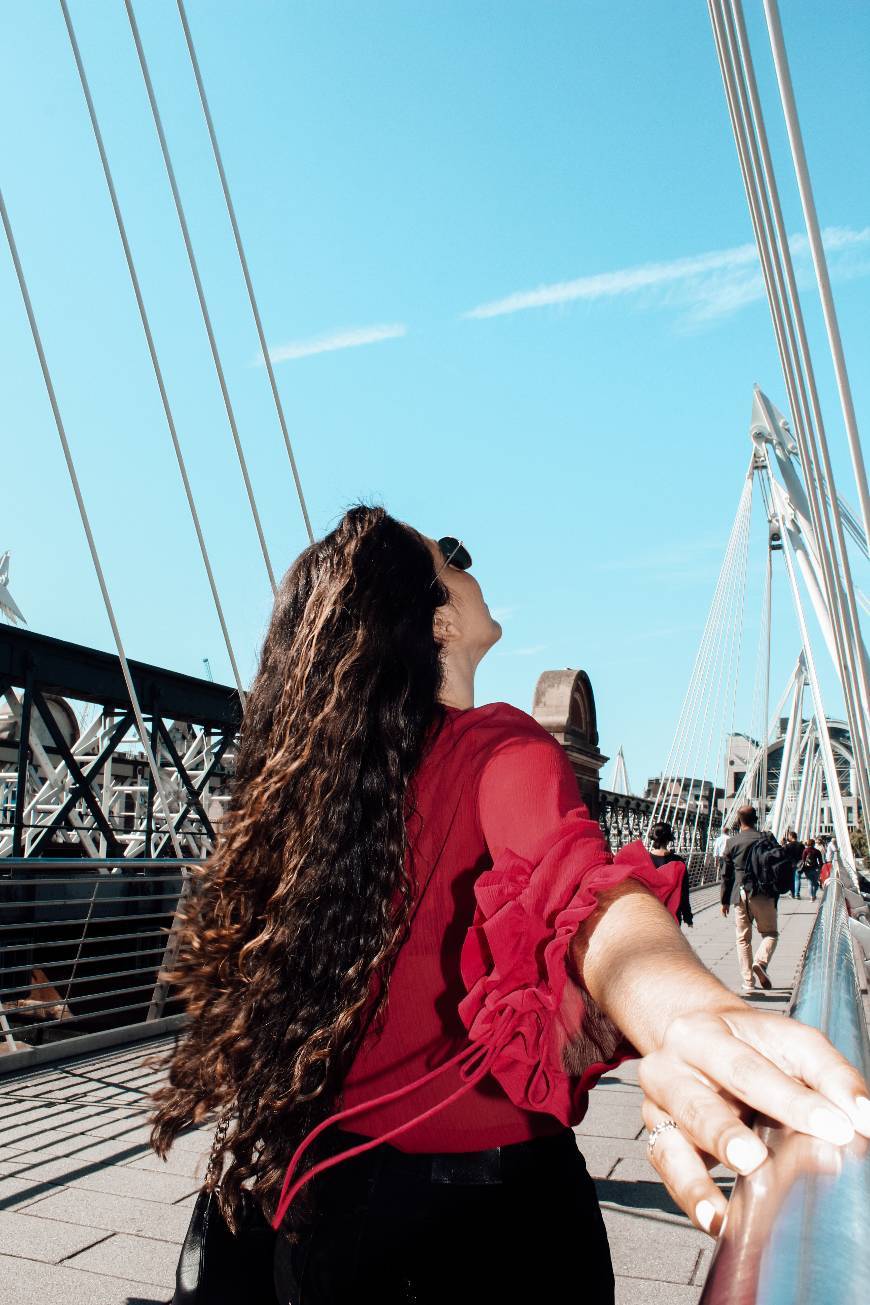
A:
(296, 919)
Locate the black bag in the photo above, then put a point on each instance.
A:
(768, 870)
(217, 1267)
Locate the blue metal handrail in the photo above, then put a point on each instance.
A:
(798, 1229)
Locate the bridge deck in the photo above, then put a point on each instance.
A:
(88, 1215)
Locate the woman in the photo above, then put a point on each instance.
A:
(408, 902)
(811, 864)
(661, 837)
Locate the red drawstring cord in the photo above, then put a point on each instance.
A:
(470, 1074)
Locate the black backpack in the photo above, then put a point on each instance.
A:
(768, 869)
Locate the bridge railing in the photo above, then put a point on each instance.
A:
(798, 1229)
(81, 947)
(625, 817)
(82, 941)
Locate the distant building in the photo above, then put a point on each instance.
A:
(740, 754)
(682, 792)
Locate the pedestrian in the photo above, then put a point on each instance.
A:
(750, 907)
(795, 849)
(661, 851)
(719, 844)
(412, 954)
(831, 850)
(811, 864)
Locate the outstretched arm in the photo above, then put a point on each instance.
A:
(705, 1050)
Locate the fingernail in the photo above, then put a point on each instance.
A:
(705, 1213)
(745, 1154)
(862, 1110)
(830, 1126)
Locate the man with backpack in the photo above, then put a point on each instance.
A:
(755, 870)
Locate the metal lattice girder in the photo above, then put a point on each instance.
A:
(71, 785)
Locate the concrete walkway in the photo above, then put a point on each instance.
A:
(89, 1216)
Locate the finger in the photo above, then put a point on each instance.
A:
(710, 1045)
(712, 1124)
(685, 1175)
(807, 1054)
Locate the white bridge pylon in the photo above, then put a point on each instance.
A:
(804, 555)
(808, 771)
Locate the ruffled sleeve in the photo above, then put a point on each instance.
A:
(547, 1042)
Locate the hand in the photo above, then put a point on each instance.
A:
(713, 1070)
(725, 910)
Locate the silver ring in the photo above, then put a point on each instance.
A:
(653, 1134)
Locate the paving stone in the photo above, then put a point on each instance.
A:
(121, 1180)
(113, 1213)
(603, 1153)
(26, 1282)
(647, 1245)
(63, 1169)
(610, 1121)
(199, 1140)
(51, 1145)
(142, 1259)
(20, 1121)
(132, 1131)
(702, 1268)
(43, 1239)
(637, 1169)
(15, 1193)
(68, 1118)
(640, 1291)
(186, 1164)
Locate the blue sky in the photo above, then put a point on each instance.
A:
(534, 215)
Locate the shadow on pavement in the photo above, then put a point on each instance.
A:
(645, 1196)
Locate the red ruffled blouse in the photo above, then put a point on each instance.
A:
(488, 1039)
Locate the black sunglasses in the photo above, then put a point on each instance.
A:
(454, 554)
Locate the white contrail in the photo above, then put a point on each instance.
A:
(715, 283)
(349, 338)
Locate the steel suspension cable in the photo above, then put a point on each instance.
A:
(671, 769)
(200, 293)
(765, 706)
(687, 710)
(786, 91)
(740, 635)
(789, 807)
(152, 349)
(834, 560)
(719, 714)
(279, 407)
(755, 168)
(662, 808)
(689, 766)
(831, 777)
(722, 657)
(760, 215)
(86, 525)
(703, 693)
(747, 783)
(812, 753)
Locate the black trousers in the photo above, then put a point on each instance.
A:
(519, 1224)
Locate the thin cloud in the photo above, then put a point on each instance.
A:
(502, 613)
(705, 287)
(349, 338)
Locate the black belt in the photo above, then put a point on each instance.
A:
(462, 1168)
